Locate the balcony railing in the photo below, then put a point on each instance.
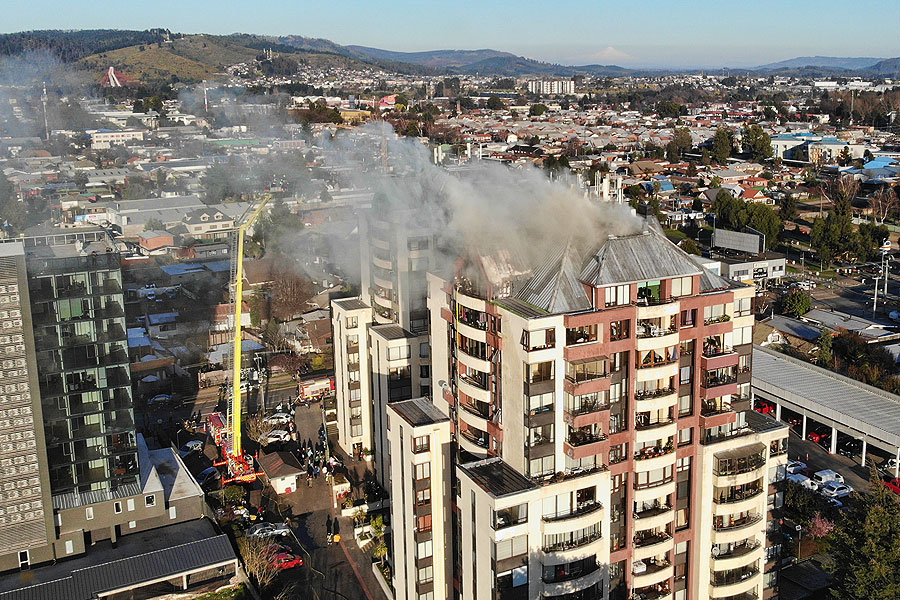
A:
(644, 425)
(738, 496)
(654, 451)
(654, 566)
(650, 394)
(483, 412)
(736, 551)
(712, 382)
(479, 382)
(652, 331)
(751, 463)
(642, 541)
(587, 408)
(719, 319)
(480, 441)
(584, 508)
(654, 593)
(571, 544)
(652, 511)
(713, 351)
(582, 571)
(583, 439)
(737, 524)
(657, 363)
(723, 578)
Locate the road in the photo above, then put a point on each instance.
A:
(817, 458)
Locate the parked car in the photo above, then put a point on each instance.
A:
(889, 466)
(795, 466)
(285, 560)
(267, 530)
(824, 476)
(849, 448)
(191, 447)
(893, 485)
(278, 418)
(819, 434)
(210, 479)
(833, 489)
(761, 406)
(277, 435)
(804, 481)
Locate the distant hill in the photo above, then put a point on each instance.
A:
(70, 46)
(888, 66)
(830, 62)
(440, 59)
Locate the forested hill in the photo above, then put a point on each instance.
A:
(71, 46)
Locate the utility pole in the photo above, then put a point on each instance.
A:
(44, 102)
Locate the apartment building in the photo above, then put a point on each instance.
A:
(75, 471)
(419, 437)
(600, 404)
(552, 87)
(382, 354)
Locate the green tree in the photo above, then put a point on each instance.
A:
(705, 157)
(723, 144)
(689, 246)
(796, 303)
(672, 154)
(824, 355)
(844, 157)
(757, 142)
(865, 547)
(495, 103)
(154, 225)
(233, 494)
(12, 212)
(537, 110)
(728, 211)
(763, 219)
(787, 208)
(682, 139)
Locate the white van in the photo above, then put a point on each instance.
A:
(803, 481)
(820, 478)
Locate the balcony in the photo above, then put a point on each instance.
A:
(653, 511)
(651, 394)
(653, 572)
(582, 445)
(718, 358)
(652, 331)
(713, 415)
(581, 571)
(735, 524)
(479, 439)
(738, 495)
(572, 544)
(653, 518)
(728, 578)
(584, 508)
(480, 381)
(651, 539)
(585, 415)
(645, 425)
(716, 387)
(653, 593)
(651, 452)
(716, 320)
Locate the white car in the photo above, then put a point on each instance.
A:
(267, 530)
(278, 418)
(190, 447)
(795, 466)
(834, 489)
(804, 481)
(277, 435)
(889, 466)
(826, 476)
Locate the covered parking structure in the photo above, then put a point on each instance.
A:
(861, 411)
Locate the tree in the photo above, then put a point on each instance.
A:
(796, 303)
(689, 246)
(820, 527)
(844, 157)
(865, 547)
(728, 210)
(883, 204)
(723, 144)
(691, 170)
(290, 292)
(787, 208)
(154, 225)
(12, 211)
(495, 103)
(233, 494)
(672, 152)
(757, 142)
(380, 551)
(763, 219)
(682, 139)
(257, 560)
(537, 110)
(823, 343)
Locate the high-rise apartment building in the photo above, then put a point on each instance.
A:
(552, 87)
(606, 446)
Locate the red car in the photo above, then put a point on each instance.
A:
(284, 560)
(893, 485)
(764, 407)
(819, 435)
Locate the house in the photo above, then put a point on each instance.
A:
(208, 222)
(156, 240)
(282, 470)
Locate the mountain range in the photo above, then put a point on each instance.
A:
(830, 62)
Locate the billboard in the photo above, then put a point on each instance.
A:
(751, 243)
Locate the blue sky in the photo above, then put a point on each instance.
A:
(687, 33)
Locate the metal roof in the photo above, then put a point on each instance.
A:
(645, 256)
(827, 396)
(555, 286)
(418, 412)
(390, 331)
(351, 303)
(496, 477)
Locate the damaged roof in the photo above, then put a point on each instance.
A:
(644, 256)
(555, 286)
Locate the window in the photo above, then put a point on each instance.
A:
(89, 513)
(172, 512)
(618, 330)
(686, 347)
(507, 517)
(421, 444)
(418, 264)
(70, 547)
(424, 549)
(353, 340)
(352, 322)
(512, 547)
(353, 376)
(130, 504)
(714, 314)
(539, 339)
(422, 471)
(425, 575)
(687, 374)
(132, 524)
(539, 467)
(423, 523)
(426, 596)
(743, 307)
(424, 371)
(537, 372)
(356, 430)
(540, 435)
(424, 350)
(24, 559)
(418, 243)
(688, 317)
(582, 335)
(150, 500)
(540, 403)
(117, 508)
(398, 352)
(742, 335)
(685, 405)
(685, 435)
(423, 497)
(618, 295)
(682, 286)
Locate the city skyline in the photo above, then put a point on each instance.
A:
(705, 35)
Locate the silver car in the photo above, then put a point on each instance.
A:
(267, 530)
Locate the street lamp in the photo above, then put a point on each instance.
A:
(799, 541)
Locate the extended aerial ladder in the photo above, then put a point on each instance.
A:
(227, 432)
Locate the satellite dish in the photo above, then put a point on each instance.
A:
(715, 551)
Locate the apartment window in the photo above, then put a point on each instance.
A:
(618, 295)
(356, 430)
(423, 497)
(540, 435)
(537, 372)
(714, 314)
(685, 436)
(418, 243)
(150, 500)
(418, 264)
(70, 547)
(423, 523)
(351, 322)
(117, 508)
(132, 524)
(425, 575)
(424, 350)
(540, 403)
(24, 559)
(512, 547)
(398, 352)
(426, 596)
(398, 373)
(743, 307)
(89, 513)
(618, 330)
(355, 395)
(682, 286)
(742, 335)
(685, 405)
(539, 467)
(353, 340)
(129, 504)
(688, 317)
(424, 371)
(172, 512)
(686, 348)
(424, 549)
(421, 444)
(539, 339)
(507, 517)
(687, 374)
(422, 471)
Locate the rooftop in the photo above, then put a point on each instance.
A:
(418, 412)
(497, 478)
(391, 332)
(351, 304)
